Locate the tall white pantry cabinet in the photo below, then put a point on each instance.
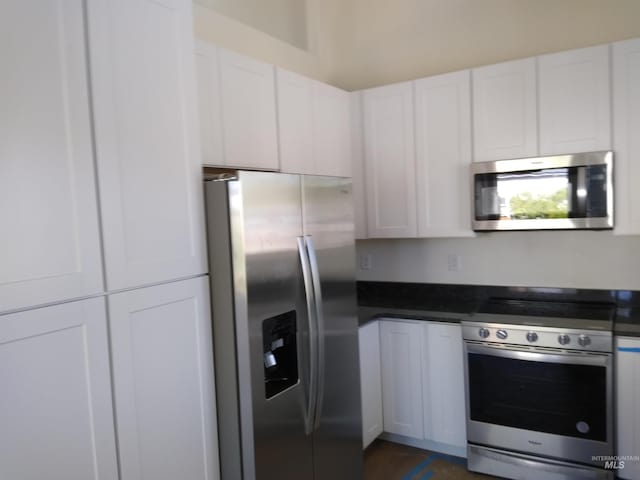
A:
(103, 293)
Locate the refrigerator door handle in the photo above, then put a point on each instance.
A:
(319, 317)
(307, 278)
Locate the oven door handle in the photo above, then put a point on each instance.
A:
(595, 359)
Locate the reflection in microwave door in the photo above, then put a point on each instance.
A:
(490, 201)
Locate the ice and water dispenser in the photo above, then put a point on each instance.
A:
(280, 353)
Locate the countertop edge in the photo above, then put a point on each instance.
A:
(370, 314)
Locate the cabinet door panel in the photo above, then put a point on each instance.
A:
(370, 382)
(389, 152)
(248, 111)
(575, 103)
(295, 126)
(331, 131)
(443, 155)
(49, 247)
(55, 407)
(443, 385)
(504, 111)
(626, 141)
(147, 140)
(357, 166)
(401, 345)
(209, 108)
(163, 381)
(627, 361)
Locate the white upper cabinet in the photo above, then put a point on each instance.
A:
(504, 111)
(55, 409)
(575, 101)
(357, 166)
(237, 107)
(331, 131)
(626, 140)
(49, 247)
(164, 382)
(295, 124)
(443, 155)
(147, 140)
(248, 101)
(314, 129)
(389, 153)
(209, 104)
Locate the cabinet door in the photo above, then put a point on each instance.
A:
(209, 108)
(504, 111)
(389, 153)
(370, 382)
(443, 384)
(163, 382)
(331, 131)
(49, 247)
(357, 167)
(248, 98)
(626, 141)
(295, 129)
(55, 408)
(443, 155)
(627, 361)
(575, 103)
(147, 142)
(401, 345)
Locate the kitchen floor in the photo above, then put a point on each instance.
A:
(390, 461)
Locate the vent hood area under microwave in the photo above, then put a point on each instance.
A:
(561, 192)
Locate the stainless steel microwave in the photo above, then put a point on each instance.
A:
(560, 192)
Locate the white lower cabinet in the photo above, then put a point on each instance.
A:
(56, 414)
(443, 384)
(627, 393)
(370, 382)
(163, 382)
(423, 384)
(401, 352)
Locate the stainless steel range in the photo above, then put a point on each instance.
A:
(539, 390)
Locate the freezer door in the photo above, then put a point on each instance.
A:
(271, 323)
(328, 223)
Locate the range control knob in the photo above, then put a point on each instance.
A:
(502, 334)
(584, 341)
(532, 337)
(564, 339)
(483, 332)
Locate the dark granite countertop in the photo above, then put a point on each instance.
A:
(453, 303)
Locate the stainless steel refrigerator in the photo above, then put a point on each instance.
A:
(282, 266)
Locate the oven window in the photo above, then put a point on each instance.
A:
(554, 398)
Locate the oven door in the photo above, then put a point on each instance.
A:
(550, 403)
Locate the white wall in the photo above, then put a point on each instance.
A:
(578, 259)
(386, 41)
(283, 19)
(355, 44)
(316, 61)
